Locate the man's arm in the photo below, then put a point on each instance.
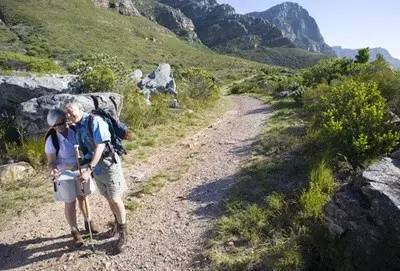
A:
(98, 152)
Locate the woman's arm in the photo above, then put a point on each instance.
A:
(52, 165)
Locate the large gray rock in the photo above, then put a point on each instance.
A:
(15, 172)
(135, 76)
(364, 219)
(31, 115)
(17, 89)
(160, 80)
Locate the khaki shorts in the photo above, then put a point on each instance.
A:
(110, 178)
(68, 187)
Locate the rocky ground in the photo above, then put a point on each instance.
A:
(170, 228)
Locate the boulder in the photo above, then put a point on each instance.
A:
(15, 172)
(364, 219)
(17, 89)
(160, 80)
(31, 115)
(135, 76)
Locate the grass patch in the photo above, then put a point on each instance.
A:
(15, 61)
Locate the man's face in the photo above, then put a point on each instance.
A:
(74, 114)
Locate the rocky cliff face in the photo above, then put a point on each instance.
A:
(296, 25)
(124, 7)
(364, 219)
(373, 52)
(175, 20)
(217, 25)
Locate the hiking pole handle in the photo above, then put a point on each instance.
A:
(78, 155)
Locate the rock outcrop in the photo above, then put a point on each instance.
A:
(175, 20)
(160, 80)
(296, 25)
(123, 7)
(364, 219)
(15, 172)
(31, 115)
(135, 76)
(16, 89)
(217, 25)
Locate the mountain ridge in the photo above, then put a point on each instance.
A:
(374, 52)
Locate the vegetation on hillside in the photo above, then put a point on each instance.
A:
(76, 29)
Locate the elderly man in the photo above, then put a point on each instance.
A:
(94, 139)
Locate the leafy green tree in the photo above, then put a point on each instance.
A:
(363, 56)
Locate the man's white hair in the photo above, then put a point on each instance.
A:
(74, 104)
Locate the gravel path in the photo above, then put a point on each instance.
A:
(170, 229)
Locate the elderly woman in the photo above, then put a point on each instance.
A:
(59, 148)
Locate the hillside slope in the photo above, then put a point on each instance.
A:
(66, 30)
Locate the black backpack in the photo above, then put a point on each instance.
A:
(118, 130)
(54, 139)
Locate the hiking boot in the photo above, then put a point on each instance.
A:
(78, 240)
(122, 238)
(93, 227)
(113, 229)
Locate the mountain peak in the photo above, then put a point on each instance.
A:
(297, 25)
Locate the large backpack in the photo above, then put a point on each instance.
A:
(54, 139)
(118, 130)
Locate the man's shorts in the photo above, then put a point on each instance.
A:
(68, 187)
(110, 178)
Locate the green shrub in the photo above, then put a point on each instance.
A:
(199, 89)
(16, 61)
(139, 115)
(100, 79)
(328, 70)
(31, 150)
(352, 118)
(321, 187)
(388, 81)
(99, 72)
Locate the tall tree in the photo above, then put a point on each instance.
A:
(363, 55)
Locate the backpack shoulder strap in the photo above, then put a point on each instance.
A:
(54, 139)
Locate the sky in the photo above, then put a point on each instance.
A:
(348, 23)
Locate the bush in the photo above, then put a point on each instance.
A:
(139, 115)
(31, 150)
(100, 79)
(199, 89)
(388, 81)
(321, 187)
(352, 118)
(328, 70)
(99, 72)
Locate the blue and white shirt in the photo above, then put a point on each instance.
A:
(87, 141)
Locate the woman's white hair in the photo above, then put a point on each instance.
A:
(54, 116)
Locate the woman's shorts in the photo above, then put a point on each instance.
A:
(68, 187)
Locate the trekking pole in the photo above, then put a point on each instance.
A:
(86, 205)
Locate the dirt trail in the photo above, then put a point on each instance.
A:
(170, 229)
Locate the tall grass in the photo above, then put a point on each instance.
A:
(30, 150)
